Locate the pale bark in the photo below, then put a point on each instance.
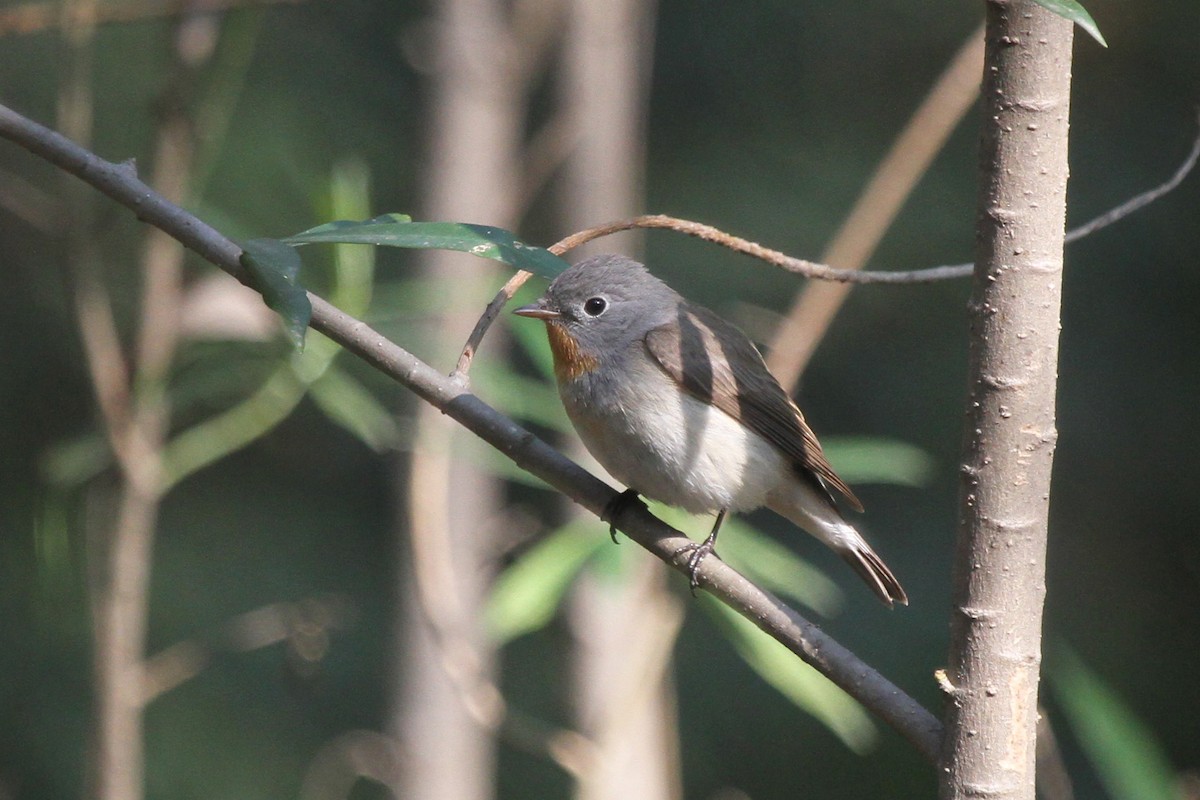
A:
(623, 630)
(999, 572)
(445, 729)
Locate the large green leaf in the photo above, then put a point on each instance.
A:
(397, 230)
(1125, 753)
(877, 459)
(274, 269)
(349, 404)
(527, 594)
(1069, 9)
(797, 681)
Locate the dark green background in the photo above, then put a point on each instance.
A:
(766, 119)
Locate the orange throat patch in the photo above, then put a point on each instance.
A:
(569, 361)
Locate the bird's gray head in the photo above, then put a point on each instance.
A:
(604, 303)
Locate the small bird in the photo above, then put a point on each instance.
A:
(678, 404)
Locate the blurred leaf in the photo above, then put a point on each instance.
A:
(500, 465)
(274, 269)
(346, 402)
(797, 681)
(221, 87)
(873, 459)
(76, 461)
(211, 440)
(1069, 9)
(774, 567)
(527, 594)
(315, 360)
(520, 397)
(1124, 752)
(763, 560)
(353, 267)
(397, 230)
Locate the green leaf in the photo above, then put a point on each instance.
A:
(1069, 9)
(875, 459)
(353, 267)
(798, 682)
(397, 230)
(348, 403)
(1124, 751)
(520, 397)
(527, 594)
(76, 461)
(209, 441)
(274, 269)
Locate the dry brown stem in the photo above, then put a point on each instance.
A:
(955, 91)
(39, 17)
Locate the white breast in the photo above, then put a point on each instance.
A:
(672, 447)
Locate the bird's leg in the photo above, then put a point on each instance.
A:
(616, 506)
(699, 551)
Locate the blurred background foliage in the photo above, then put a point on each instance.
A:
(765, 119)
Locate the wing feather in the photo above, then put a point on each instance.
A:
(716, 363)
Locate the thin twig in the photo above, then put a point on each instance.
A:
(481, 327)
(1144, 199)
(106, 364)
(806, 640)
(306, 624)
(497, 305)
(811, 269)
(798, 266)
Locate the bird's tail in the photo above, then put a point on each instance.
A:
(870, 567)
(809, 509)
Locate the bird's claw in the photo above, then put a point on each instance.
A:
(616, 506)
(698, 553)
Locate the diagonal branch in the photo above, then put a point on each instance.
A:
(802, 637)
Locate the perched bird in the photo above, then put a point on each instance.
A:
(677, 404)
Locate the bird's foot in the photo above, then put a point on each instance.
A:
(699, 551)
(697, 554)
(616, 506)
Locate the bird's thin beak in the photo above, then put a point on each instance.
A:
(537, 310)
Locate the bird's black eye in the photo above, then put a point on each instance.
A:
(595, 306)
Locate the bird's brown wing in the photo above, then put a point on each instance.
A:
(717, 364)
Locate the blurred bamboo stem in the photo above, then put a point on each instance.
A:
(447, 708)
(623, 627)
(135, 412)
(954, 92)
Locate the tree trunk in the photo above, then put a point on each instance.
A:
(999, 569)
